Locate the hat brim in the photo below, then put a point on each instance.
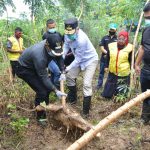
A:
(113, 28)
(70, 31)
(57, 53)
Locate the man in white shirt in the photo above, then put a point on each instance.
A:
(86, 60)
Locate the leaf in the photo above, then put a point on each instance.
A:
(11, 106)
(43, 104)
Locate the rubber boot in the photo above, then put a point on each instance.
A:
(86, 106)
(72, 95)
(41, 115)
(146, 113)
(41, 118)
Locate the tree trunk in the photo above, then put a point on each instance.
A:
(80, 143)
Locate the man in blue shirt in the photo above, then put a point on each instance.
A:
(86, 59)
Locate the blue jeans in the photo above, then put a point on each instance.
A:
(145, 84)
(101, 74)
(55, 73)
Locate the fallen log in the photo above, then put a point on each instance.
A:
(87, 137)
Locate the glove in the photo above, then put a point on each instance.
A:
(60, 94)
(62, 77)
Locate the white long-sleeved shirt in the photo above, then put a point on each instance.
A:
(82, 49)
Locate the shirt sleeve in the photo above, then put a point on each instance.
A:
(9, 44)
(79, 53)
(40, 66)
(102, 42)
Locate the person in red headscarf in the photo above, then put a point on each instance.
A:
(118, 63)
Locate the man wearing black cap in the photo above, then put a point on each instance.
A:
(53, 67)
(32, 68)
(86, 60)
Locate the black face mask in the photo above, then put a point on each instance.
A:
(148, 17)
(112, 33)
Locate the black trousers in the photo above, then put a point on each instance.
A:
(145, 84)
(113, 83)
(13, 67)
(32, 79)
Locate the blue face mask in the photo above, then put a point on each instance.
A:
(53, 30)
(72, 37)
(147, 22)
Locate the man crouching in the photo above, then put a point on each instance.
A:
(32, 68)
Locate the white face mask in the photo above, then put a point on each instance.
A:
(57, 54)
(147, 22)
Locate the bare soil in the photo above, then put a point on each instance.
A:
(128, 133)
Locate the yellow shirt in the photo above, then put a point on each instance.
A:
(17, 45)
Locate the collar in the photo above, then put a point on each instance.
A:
(115, 36)
(16, 38)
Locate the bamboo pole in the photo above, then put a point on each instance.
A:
(88, 136)
(133, 52)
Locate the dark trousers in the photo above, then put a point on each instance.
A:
(115, 85)
(145, 84)
(32, 79)
(101, 74)
(68, 60)
(13, 67)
